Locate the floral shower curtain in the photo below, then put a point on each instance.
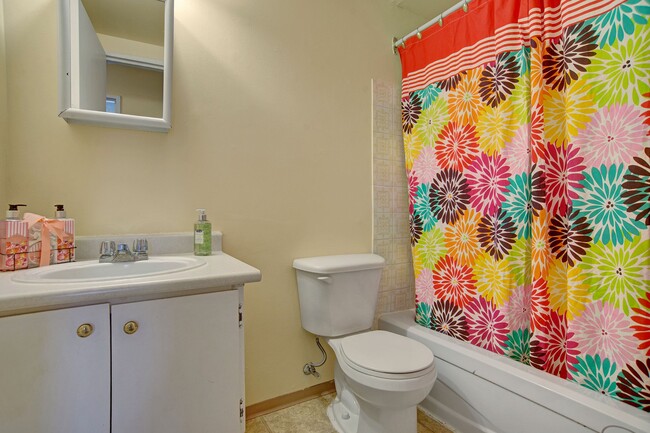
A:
(525, 130)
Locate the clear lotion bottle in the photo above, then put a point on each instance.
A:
(202, 235)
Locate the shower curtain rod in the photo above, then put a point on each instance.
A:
(417, 32)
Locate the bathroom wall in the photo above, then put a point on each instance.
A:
(391, 236)
(271, 133)
(3, 115)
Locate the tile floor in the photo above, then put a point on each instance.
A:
(311, 417)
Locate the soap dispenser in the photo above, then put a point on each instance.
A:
(63, 247)
(13, 240)
(202, 235)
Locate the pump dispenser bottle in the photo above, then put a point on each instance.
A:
(202, 235)
(63, 248)
(13, 240)
(13, 214)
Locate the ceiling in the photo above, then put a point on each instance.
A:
(139, 20)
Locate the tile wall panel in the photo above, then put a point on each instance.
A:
(391, 238)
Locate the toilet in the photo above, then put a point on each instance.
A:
(380, 377)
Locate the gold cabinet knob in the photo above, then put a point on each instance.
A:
(85, 330)
(130, 327)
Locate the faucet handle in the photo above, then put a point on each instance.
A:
(107, 248)
(106, 251)
(140, 246)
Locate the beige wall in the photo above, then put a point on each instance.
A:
(271, 133)
(4, 136)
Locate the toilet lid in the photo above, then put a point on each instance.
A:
(385, 352)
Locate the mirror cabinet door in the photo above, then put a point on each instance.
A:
(116, 62)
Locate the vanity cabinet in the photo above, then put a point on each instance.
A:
(52, 380)
(156, 366)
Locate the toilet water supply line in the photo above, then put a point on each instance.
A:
(310, 367)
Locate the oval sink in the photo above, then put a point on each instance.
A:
(94, 271)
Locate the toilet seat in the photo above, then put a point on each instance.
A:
(386, 355)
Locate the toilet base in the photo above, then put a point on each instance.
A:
(342, 420)
(371, 420)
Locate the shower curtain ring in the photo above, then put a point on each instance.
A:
(419, 34)
(464, 5)
(440, 21)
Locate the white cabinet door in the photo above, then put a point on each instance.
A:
(180, 371)
(51, 379)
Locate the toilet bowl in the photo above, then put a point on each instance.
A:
(385, 382)
(380, 377)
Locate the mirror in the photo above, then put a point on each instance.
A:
(115, 64)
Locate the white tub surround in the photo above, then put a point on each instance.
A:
(481, 392)
(135, 349)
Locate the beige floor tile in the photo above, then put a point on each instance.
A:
(307, 417)
(256, 425)
(327, 398)
(311, 417)
(430, 425)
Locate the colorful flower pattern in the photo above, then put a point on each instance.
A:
(449, 319)
(566, 58)
(498, 80)
(465, 100)
(634, 385)
(605, 330)
(637, 187)
(620, 72)
(453, 282)
(560, 349)
(596, 373)
(601, 202)
(641, 319)
(529, 194)
(457, 146)
(488, 181)
(486, 325)
(450, 194)
(621, 21)
(613, 136)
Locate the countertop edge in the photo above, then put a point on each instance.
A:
(38, 299)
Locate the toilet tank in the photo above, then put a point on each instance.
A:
(338, 294)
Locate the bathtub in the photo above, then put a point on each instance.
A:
(481, 392)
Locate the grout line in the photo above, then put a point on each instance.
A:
(266, 426)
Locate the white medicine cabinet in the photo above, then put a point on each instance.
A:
(116, 50)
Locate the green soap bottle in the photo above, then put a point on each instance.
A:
(202, 235)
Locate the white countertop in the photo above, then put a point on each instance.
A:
(220, 272)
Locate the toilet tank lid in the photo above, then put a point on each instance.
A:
(340, 263)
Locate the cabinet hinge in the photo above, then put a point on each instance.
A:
(241, 409)
(241, 315)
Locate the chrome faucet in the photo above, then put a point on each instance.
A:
(109, 253)
(140, 249)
